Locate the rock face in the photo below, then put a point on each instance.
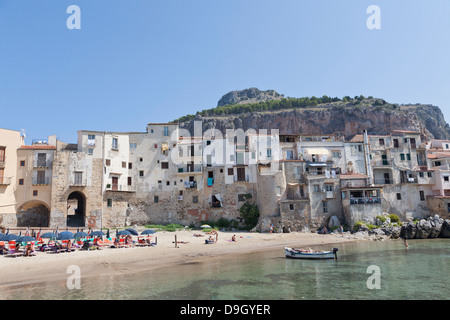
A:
(432, 227)
(445, 231)
(250, 95)
(328, 119)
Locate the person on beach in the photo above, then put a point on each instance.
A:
(342, 230)
(271, 228)
(28, 250)
(233, 238)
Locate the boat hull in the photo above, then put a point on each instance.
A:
(295, 254)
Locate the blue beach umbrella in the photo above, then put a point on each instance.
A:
(9, 237)
(124, 233)
(80, 234)
(66, 233)
(133, 232)
(49, 235)
(65, 236)
(25, 239)
(148, 231)
(97, 234)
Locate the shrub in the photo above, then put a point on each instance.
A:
(381, 218)
(394, 218)
(249, 214)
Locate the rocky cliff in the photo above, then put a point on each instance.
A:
(250, 95)
(343, 116)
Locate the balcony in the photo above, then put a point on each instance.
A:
(39, 181)
(190, 184)
(120, 188)
(241, 179)
(365, 200)
(383, 181)
(42, 163)
(2, 161)
(193, 169)
(5, 181)
(74, 182)
(382, 163)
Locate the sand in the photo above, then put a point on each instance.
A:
(45, 267)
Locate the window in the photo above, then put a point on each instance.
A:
(141, 159)
(164, 165)
(133, 145)
(278, 190)
(124, 164)
(230, 171)
(448, 207)
(422, 196)
(35, 193)
(130, 165)
(21, 182)
(381, 142)
(115, 143)
(22, 163)
(421, 174)
(359, 148)
(269, 153)
(429, 174)
(446, 146)
(241, 197)
(344, 194)
(291, 206)
(335, 154)
(437, 164)
(109, 203)
(167, 183)
(446, 178)
(399, 196)
(325, 207)
(316, 188)
(108, 162)
(302, 192)
(329, 187)
(395, 143)
(408, 157)
(141, 173)
(155, 199)
(91, 136)
(90, 152)
(402, 156)
(166, 131)
(78, 178)
(195, 199)
(129, 181)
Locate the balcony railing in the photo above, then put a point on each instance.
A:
(190, 169)
(41, 181)
(383, 181)
(4, 181)
(190, 184)
(74, 182)
(381, 163)
(120, 187)
(365, 200)
(42, 163)
(241, 179)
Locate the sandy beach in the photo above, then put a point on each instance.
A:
(46, 267)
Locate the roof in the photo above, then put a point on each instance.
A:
(37, 147)
(357, 138)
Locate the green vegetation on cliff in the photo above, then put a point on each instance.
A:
(287, 103)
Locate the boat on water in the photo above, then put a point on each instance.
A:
(310, 254)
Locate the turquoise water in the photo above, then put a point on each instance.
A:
(420, 271)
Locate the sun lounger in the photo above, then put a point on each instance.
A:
(12, 253)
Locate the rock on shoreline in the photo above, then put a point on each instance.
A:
(432, 227)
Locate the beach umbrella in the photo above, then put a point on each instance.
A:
(80, 234)
(148, 231)
(25, 239)
(133, 232)
(65, 236)
(9, 237)
(2, 234)
(124, 233)
(206, 226)
(97, 234)
(49, 235)
(66, 232)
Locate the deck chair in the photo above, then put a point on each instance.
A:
(12, 251)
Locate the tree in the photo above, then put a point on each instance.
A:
(249, 214)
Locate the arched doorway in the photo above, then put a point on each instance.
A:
(76, 209)
(33, 214)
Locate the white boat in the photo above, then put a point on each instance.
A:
(310, 254)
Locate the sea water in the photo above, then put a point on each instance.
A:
(420, 271)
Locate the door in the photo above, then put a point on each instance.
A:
(240, 174)
(2, 154)
(115, 183)
(41, 177)
(386, 178)
(2, 174)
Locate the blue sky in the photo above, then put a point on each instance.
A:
(140, 61)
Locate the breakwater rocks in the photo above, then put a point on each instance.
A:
(432, 227)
